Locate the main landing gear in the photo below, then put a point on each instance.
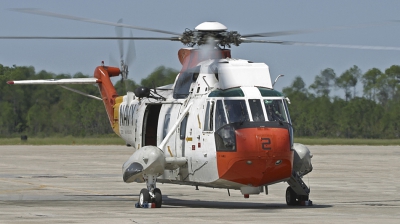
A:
(293, 199)
(297, 193)
(151, 194)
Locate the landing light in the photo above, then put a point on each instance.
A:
(278, 162)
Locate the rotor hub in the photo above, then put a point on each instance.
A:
(211, 26)
(207, 31)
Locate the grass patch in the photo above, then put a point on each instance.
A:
(346, 141)
(69, 140)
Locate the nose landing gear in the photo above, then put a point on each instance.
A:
(147, 197)
(150, 195)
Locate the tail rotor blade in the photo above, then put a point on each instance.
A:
(119, 32)
(131, 54)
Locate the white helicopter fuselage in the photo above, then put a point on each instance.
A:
(212, 87)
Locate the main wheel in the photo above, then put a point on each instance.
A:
(157, 198)
(291, 196)
(144, 197)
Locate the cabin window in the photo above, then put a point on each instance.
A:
(132, 112)
(208, 120)
(256, 110)
(182, 129)
(236, 111)
(275, 110)
(121, 115)
(166, 124)
(220, 117)
(184, 81)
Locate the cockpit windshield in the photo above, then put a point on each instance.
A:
(258, 110)
(275, 110)
(236, 111)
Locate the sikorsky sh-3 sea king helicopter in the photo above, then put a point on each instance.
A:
(221, 124)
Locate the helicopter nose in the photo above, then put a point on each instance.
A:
(262, 155)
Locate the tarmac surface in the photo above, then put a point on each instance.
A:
(83, 184)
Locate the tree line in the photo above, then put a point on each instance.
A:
(49, 110)
(373, 114)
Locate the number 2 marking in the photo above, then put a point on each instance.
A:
(265, 143)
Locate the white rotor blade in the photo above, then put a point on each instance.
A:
(63, 16)
(363, 47)
(293, 32)
(90, 38)
(55, 81)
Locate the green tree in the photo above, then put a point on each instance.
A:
(299, 98)
(124, 86)
(370, 83)
(159, 77)
(393, 81)
(323, 82)
(349, 79)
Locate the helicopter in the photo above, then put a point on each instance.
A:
(221, 124)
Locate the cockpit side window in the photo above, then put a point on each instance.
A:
(236, 110)
(256, 110)
(220, 117)
(275, 110)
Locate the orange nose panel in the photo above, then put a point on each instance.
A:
(262, 156)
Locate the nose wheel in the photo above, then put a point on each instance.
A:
(157, 198)
(151, 194)
(146, 197)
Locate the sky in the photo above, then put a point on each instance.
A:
(246, 17)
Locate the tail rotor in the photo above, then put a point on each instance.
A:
(129, 57)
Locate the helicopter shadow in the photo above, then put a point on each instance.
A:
(172, 202)
(169, 201)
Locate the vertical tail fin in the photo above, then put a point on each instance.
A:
(107, 91)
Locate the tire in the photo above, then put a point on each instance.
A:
(157, 198)
(291, 196)
(144, 197)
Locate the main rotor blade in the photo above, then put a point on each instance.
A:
(63, 16)
(91, 38)
(293, 32)
(278, 33)
(363, 47)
